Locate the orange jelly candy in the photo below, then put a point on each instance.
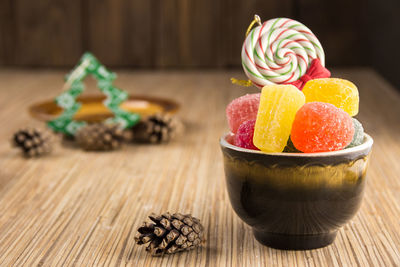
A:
(321, 127)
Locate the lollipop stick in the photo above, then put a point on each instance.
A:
(255, 20)
(247, 83)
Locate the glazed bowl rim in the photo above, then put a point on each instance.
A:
(368, 141)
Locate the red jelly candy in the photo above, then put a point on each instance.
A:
(242, 109)
(244, 135)
(321, 127)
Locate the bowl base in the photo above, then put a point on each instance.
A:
(294, 242)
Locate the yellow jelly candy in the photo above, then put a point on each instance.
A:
(278, 107)
(338, 92)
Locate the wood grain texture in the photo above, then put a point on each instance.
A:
(188, 33)
(7, 35)
(174, 33)
(381, 42)
(341, 27)
(120, 31)
(75, 208)
(48, 32)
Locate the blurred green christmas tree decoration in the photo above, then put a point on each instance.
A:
(89, 65)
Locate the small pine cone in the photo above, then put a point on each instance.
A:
(100, 136)
(157, 128)
(170, 233)
(33, 142)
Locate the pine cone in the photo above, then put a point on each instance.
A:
(157, 128)
(170, 233)
(33, 142)
(100, 136)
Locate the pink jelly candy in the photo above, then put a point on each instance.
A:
(242, 109)
(244, 135)
(321, 127)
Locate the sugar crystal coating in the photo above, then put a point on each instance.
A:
(358, 137)
(278, 107)
(321, 127)
(244, 135)
(338, 92)
(242, 109)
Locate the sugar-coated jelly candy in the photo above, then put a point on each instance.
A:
(339, 92)
(290, 148)
(321, 127)
(278, 107)
(242, 109)
(244, 135)
(358, 137)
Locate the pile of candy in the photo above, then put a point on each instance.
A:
(317, 118)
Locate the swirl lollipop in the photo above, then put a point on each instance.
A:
(282, 51)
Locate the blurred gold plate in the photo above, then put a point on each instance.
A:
(93, 110)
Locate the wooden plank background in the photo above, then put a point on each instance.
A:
(167, 34)
(76, 208)
(164, 34)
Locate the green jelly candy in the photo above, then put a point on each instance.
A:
(290, 148)
(358, 137)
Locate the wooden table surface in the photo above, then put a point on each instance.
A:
(80, 208)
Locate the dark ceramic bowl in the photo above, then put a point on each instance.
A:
(295, 201)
